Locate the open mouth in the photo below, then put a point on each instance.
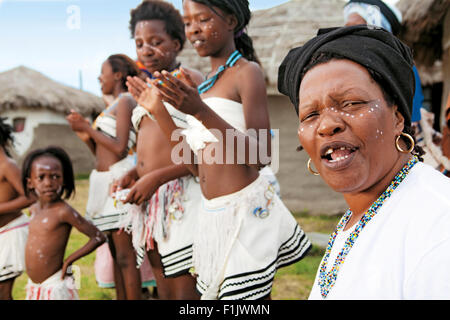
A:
(338, 154)
(197, 43)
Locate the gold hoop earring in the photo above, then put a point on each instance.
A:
(311, 170)
(411, 139)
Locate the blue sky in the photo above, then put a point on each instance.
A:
(62, 38)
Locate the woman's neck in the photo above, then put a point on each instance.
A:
(118, 89)
(220, 58)
(361, 201)
(172, 66)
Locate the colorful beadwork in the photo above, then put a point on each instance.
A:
(208, 84)
(261, 212)
(328, 279)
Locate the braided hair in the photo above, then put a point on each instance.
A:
(6, 137)
(240, 9)
(125, 65)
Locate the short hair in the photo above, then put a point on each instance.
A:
(159, 10)
(6, 137)
(125, 65)
(55, 152)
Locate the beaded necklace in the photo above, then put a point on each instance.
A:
(209, 83)
(328, 279)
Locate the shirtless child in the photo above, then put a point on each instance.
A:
(13, 223)
(48, 174)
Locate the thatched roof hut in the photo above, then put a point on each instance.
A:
(36, 106)
(22, 86)
(426, 29)
(422, 28)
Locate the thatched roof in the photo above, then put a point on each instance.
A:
(276, 30)
(23, 87)
(422, 28)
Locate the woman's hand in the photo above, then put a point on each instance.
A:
(65, 266)
(84, 136)
(145, 94)
(77, 122)
(125, 182)
(136, 86)
(143, 189)
(180, 93)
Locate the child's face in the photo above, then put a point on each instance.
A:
(46, 178)
(207, 31)
(155, 49)
(107, 78)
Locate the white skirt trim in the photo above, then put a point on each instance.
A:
(13, 239)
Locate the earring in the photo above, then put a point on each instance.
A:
(411, 140)
(311, 170)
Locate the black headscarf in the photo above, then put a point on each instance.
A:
(371, 47)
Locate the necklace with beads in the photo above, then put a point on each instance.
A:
(328, 279)
(209, 83)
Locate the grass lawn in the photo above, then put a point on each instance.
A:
(291, 283)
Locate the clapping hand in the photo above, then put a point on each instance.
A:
(77, 122)
(145, 94)
(180, 92)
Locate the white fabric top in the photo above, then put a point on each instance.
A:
(139, 112)
(404, 251)
(197, 135)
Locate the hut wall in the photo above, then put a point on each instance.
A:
(445, 62)
(300, 190)
(33, 118)
(82, 158)
(61, 135)
(44, 128)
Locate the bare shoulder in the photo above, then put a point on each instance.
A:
(9, 165)
(127, 101)
(64, 210)
(249, 69)
(195, 75)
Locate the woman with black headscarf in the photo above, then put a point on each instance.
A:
(352, 88)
